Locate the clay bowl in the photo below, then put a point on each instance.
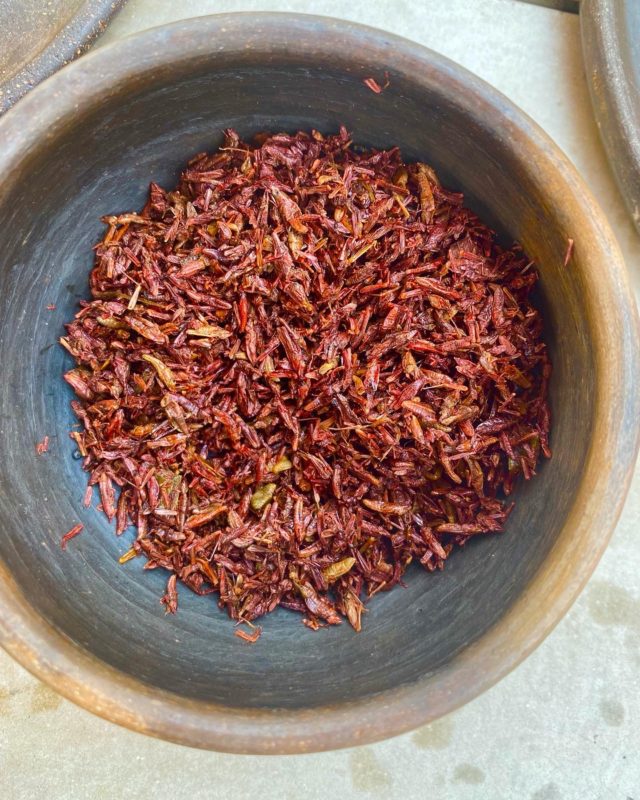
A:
(86, 143)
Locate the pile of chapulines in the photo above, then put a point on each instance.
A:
(304, 368)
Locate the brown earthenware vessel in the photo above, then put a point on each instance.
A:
(86, 143)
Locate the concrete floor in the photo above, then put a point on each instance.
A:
(564, 725)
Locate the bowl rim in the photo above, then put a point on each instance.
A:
(105, 691)
(80, 30)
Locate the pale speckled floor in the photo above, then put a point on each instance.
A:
(564, 726)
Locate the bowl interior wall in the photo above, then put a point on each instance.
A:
(101, 162)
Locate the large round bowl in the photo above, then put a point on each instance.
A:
(86, 143)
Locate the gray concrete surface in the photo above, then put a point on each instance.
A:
(564, 725)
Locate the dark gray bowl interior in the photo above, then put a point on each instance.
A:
(100, 162)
